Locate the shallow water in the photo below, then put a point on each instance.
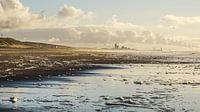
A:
(132, 87)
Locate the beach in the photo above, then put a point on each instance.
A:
(24, 64)
(99, 80)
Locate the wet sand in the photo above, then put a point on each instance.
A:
(96, 80)
(162, 88)
(29, 64)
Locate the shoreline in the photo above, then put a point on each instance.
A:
(45, 74)
(33, 64)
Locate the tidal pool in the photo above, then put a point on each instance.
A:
(129, 87)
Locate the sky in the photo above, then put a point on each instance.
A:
(138, 11)
(87, 22)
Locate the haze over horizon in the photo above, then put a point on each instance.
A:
(102, 23)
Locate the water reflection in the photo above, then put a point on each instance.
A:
(162, 87)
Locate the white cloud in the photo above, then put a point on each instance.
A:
(97, 36)
(14, 16)
(65, 27)
(70, 11)
(54, 40)
(180, 20)
(9, 5)
(116, 23)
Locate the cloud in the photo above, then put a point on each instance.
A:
(180, 20)
(91, 35)
(14, 15)
(116, 23)
(65, 27)
(54, 40)
(70, 11)
(8, 5)
(113, 31)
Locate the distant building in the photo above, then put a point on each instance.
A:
(116, 46)
(123, 47)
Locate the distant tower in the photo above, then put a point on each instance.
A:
(116, 46)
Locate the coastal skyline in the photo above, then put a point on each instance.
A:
(95, 22)
(99, 55)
